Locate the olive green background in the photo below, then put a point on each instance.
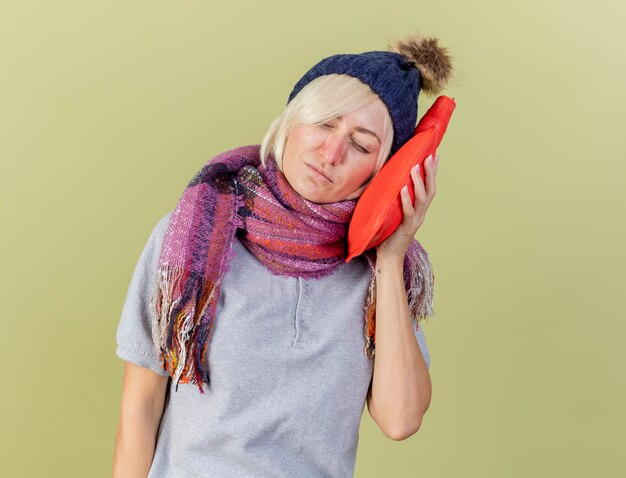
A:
(107, 109)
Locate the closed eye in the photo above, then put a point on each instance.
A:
(356, 145)
(360, 148)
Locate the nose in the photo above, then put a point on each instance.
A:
(334, 148)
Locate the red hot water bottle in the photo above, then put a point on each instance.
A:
(378, 212)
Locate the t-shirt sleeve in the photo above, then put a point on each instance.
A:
(134, 331)
(421, 341)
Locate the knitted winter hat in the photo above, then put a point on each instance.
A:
(396, 76)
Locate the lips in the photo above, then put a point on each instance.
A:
(318, 172)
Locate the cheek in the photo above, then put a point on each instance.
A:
(292, 145)
(290, 152)
(364, 171)
(356, 177)
(306, 138)
(301, 141)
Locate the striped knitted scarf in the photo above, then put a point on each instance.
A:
(288, 234)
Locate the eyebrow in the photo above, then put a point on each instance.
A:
(366, 131)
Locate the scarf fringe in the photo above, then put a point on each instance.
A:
(190, 327)
(419, 280)
(370, 318)
(419, 283)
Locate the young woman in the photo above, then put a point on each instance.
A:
(249, 341)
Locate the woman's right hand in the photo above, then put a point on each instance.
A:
(143, 397)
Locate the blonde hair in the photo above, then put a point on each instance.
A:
(321, 100)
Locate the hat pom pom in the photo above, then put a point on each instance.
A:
(433, 61)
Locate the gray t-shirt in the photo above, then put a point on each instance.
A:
(289, 376)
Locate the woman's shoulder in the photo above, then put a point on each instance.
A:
(162, 224)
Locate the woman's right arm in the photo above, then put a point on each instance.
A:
(143, 397)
